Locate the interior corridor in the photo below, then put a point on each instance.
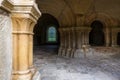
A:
(100, 64)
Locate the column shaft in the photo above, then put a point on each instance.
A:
(30, 45)
(61, 42)
(114, 38)
(107, 37)
(23, 52)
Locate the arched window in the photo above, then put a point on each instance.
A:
(51, 34)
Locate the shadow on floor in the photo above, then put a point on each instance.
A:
(49, 49)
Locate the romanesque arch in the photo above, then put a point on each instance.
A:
(96, 35)
(41, 30)
(105, 21)
(60, 9)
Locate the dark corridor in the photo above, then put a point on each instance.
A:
(46, 35)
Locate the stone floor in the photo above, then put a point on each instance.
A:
(96, 66)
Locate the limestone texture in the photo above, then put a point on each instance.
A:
(99, 64)
(5, 46)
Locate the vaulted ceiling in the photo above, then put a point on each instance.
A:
(68, 11)
(64, 11)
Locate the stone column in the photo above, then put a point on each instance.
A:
(78, 32)
(82, 37)
(68, 31)
(23, 20)
(21, 48)
(114, 38)
(79, 38)
(107, 37)
(86, 36)
(5, 46)
(66, 38)
(64, 42)
(61, 42)
(73, 42)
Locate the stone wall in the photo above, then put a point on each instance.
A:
(5, 46)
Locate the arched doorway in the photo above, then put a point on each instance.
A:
(46, 33)
(118, 38)
(96, 36)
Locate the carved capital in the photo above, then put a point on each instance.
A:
(30, 9)
(22, 25)
(17, 8)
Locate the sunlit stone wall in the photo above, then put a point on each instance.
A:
(5, 46)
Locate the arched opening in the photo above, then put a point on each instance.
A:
(118, 38)
(96, 36)
(46, 35)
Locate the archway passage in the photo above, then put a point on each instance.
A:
(46, 35)
(118, 38)
(96, 36)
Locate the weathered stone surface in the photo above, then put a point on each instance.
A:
(5, 46)
(103, 64)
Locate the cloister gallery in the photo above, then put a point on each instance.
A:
(59, 39)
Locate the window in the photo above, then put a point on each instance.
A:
(51, 36)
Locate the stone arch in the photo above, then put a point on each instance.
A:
(59, 9)
(96, 35)
(41, 28)
(107, 22)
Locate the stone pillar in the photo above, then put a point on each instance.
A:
(65, 42)
(107, 37)
(21, 48)
(79, 38)
(63, 52)
(114, 38)
(83, 38)
(68, 31)
(86, 36)
(5, 45)
(73, 42)
(61, 42)
(23, 24)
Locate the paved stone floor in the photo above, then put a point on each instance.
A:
(93, 67)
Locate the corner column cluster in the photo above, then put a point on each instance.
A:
(72, 39)
(24, 18)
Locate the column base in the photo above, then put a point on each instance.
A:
(68, 52)
(115, 45)
(107, 45)
(73, 52)
(60, 52)
(20, 75)
(63, 52)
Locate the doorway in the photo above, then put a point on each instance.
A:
(96, 36)
(46, 35)
(118, 38)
